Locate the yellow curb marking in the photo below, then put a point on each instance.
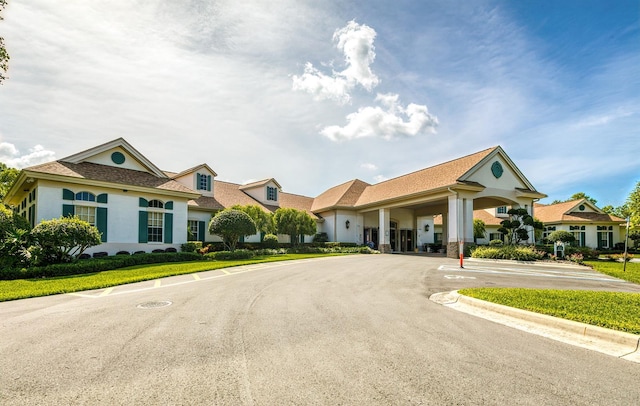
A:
(106, 292)
(157, 284)
(196, 276)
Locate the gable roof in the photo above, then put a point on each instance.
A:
(190, 170)
(260, 183)
(344, 195)
(118, 142)
(88, 171)
(231, 194)
(565, 213)
(436, 177)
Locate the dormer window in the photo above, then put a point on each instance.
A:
(502, 210)
(203, 181)
(272, 193)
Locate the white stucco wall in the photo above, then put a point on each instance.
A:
(122, 215)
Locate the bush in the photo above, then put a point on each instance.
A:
(513, 252)
(270, 241)
(230, 255)
(320, 238)
(496, 243)
(123, 253)
(79, 267)
(191, 246)
(62, 240)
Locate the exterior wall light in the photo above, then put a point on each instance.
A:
(426, 227)
(347, 223)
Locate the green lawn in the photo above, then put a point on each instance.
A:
(614, 310)
(25, 288)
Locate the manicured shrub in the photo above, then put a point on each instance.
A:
(229, 255)
(191, 246)
(496, 243)
(62, 240)
(123, 253)
(270, 241)
(513, 252)
(171, 249)
(92, 265)
(100, 254)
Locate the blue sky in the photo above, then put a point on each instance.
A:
(314, 94)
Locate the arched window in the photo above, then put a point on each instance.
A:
(86, 196)
(156, 204)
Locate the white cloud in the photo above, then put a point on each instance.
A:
(10, 156)
(369, 166)
(394, 122)
(356, 43)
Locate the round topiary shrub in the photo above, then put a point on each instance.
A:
(270, 241)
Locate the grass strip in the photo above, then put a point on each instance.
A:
(615, 269)
(26, 288)
(614, 310)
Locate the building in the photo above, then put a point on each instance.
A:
(138, 207)
(589, 225)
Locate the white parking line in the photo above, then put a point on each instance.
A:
(551, 273)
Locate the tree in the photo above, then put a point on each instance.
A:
(479, 229)
(577, 196)
(4, 56)
(294, 223)
(61, 240)
(262, 219)
(7, 177)
(562, 236)
(515, 226)
(230, 225)
(14, 239)
(631, 207)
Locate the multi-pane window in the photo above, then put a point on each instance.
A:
(203, 181)
(272, 193)
(193, 230)
(579, 234)
(605, 236)
(86, 196)
(502, 210)
(496, 236)
(154, 226)
(86, 213)
(156, 204)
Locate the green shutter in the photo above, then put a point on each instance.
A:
(168, 228)
(102, 198)
(201, 225)
(101, 222)
(208, 183)
(168, 205)
(599, 236)
(143, 202)
(197, 181)
(142, 227)
(611, 240)
(68, 194)
(68, 210)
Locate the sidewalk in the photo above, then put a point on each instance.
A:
(610, 342)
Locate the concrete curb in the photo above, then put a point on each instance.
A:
(607, 341)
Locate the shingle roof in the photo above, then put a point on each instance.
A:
(561, 213)
(102, 173)
(230, 194)
(435, 177)
(344, 195)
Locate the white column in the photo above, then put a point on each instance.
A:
(454, 226)
(468, 220)
(384, 240)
